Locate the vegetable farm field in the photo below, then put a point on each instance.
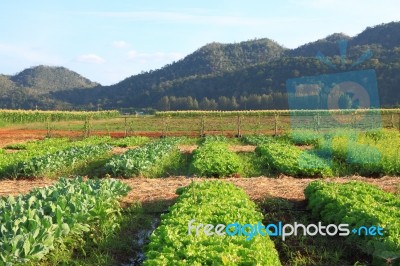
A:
(77, 193)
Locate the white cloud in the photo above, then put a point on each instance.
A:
(153, 57)
(91, 58)
(120, 44)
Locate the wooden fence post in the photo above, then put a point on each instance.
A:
(239, 123)
(126, 126)
(87, 127)
(48, 127)
(202, 127)
(221, 124)
(392, 120)
(165, 127)
(276, 125)
(314, 123)
(399, 122)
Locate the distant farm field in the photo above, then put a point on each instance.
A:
(197, 123)
(131, 185)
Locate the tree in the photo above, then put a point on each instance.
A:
(223, 103)
(266, 101)
(207, 104)
(254, 102)
(164, 104)
(234, 103)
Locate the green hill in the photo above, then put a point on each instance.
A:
(43, 79)
(245, 75)
(29, 88)
(249, 75)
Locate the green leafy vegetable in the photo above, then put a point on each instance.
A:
(213, 158)
(32, 225)
(213, 202)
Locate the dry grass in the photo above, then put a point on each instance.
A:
(242, 148)
(187, 149)
(146, 190)
(235, 148)
(15, 187)
(120, 150)
(151, 190)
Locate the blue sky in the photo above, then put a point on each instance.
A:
(107, 41)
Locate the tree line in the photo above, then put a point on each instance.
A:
(252, 102)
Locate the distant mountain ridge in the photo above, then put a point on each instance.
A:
(47, 78)
(217, 57)
(30, 87)
(245, 75)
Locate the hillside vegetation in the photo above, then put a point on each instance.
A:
(246, 75)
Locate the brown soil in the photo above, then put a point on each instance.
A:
(234, 148)
(148, 190)
(242, 148)
(187, 148)
(305, 147)
(119, 150)
(9, 136)
(15, 187)
(152, 190)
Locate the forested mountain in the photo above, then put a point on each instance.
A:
(218, 58)
(146, 89)
(328, 46)
(29, 88)
(246, 75)
(43, 79)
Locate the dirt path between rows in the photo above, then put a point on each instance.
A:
(16, 135)
(151, 190)
(234, 148)
(147, 190)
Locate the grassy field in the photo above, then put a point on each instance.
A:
(209, 125)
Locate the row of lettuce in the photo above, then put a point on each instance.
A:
(307, 154)
(62, 216)
(52, 157)
(300, 154)
(58, 156)
(214, 203)
(58, 217)
(362, 206)
(338, 153)
(189, 232)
